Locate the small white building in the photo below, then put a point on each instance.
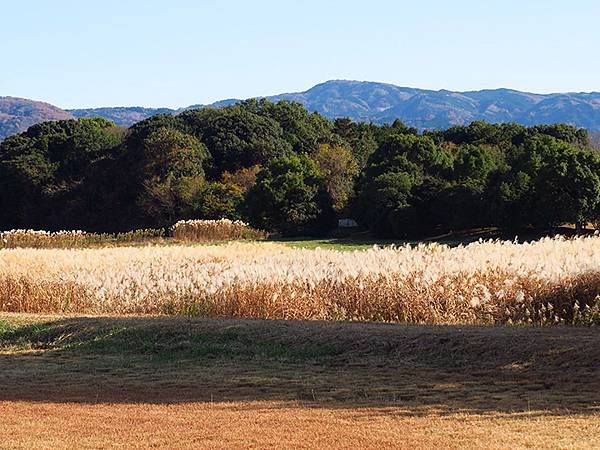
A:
(347, 223)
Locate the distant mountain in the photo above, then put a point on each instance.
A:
(123, 116)
(219, 104)
(420, 108)
(127, 116)
(18, 114)
(374, 102)
(383, 103)
(595, 140)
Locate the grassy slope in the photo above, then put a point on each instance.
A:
(450, 367)
(469, 386)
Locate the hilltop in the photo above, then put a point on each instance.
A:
(18, 114)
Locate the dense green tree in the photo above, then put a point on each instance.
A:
(290, 196)
(360, 138)
(385, 204)
(218, 200)
(550, 182)
(510, 200)
(141, 130)
(475, 163)
(578, 137)
(235, 138)
(411, 153)
(566, 182)
(41, 168)
(171, 176)
(502, 136)
(383, 132)
(302, 130)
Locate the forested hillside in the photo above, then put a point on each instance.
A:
(362, 102)
(286, 170)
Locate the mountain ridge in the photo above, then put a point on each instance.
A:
(365, 101)
(423, 108)
(17, 114)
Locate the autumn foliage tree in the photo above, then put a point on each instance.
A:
(339, 170)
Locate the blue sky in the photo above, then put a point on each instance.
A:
(179, 52)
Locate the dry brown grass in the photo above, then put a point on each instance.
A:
(98, 382)
(280, 425)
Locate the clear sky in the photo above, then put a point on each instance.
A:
(80, 53)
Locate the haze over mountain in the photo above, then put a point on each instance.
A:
(364, 101)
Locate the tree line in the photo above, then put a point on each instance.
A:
(286, 170)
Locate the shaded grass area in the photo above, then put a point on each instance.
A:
(126, 337)
(339, 243)
(364, 240)
(178, 360)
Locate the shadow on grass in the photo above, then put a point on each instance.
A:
(172, 360)
(363, 240)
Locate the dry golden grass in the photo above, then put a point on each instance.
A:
(550, 281)
(215, 230)
(100, 382)
(182, 232)
(74, 239)
(280, 425)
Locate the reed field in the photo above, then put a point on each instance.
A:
(545, 282)
(215, 230)
(183, 231)
(74, 239)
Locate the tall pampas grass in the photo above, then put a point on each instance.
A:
(551, 281)
(215, 230)
(73, 239)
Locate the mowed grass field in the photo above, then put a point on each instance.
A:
(172, 382)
